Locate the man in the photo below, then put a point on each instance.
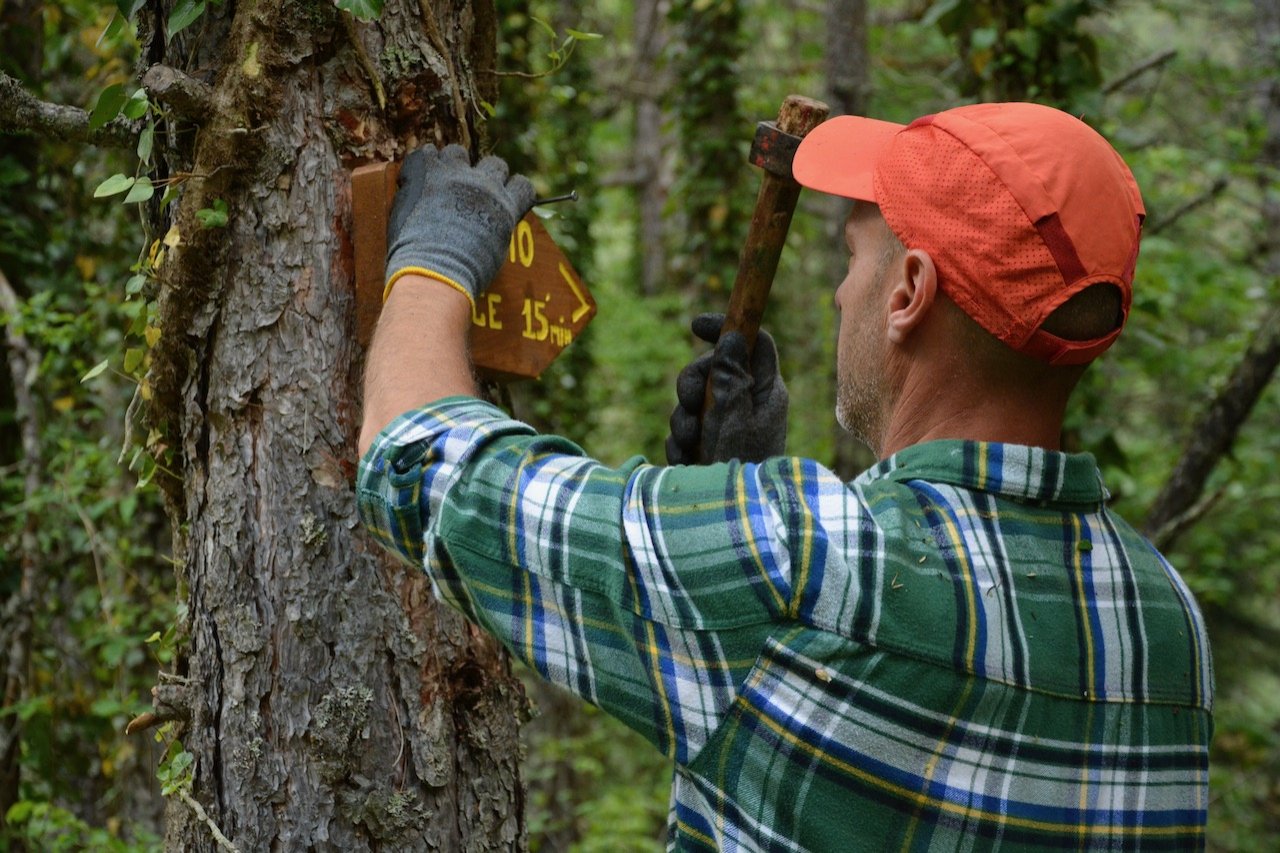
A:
(962, 648)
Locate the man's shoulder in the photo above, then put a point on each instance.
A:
(1006, 563)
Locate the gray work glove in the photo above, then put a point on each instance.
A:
(453, 221)
(749, 419)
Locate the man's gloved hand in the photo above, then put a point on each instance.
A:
(452, 221)
(749, 419)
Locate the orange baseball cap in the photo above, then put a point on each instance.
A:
(1021, 206)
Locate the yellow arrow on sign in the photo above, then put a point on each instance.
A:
(583, 305)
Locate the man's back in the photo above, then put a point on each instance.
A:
(998, 662)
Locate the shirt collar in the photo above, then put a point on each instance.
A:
(1009, 470)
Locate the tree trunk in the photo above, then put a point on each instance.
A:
(650, 41)
(713, 143)
(846, 60)
(21, 50)
(328, 702)
(848, 72)
(17, 593)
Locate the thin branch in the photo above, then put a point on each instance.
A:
(1138, 70)
(1171, 530)
(366, 64)
(1186, 207)
(203, 815)
(24, 113)
(437, 41)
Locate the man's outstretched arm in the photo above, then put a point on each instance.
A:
(446, 239)
(418, 353)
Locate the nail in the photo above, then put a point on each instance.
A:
(569, 196)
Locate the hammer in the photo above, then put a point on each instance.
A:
(773, 150)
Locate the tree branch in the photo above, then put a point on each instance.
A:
(1138, 70)
(1214, 434)
(1186, 207)
(24, 113)
(185, 95)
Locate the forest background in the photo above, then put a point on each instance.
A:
(646, 110)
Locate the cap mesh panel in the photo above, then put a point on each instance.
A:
(939, 196)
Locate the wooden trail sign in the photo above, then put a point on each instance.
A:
(535, 307)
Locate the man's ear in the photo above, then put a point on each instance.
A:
(911, 295)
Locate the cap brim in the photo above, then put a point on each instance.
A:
(839, 156)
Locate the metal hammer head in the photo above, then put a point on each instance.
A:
(774, 149)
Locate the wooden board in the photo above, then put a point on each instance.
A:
(535, 307)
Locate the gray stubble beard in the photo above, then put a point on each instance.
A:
(858, 405)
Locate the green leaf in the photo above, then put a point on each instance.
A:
(142, 190)
(937, 11)
(136, 106)
(184, 14)
(108, 106)
(117, 183)
(181, 762)
(128, 8)
(134, 285)
(154, 638)
(581, 36)
(550, 30)
(983, 38)
(133, 359)
(98, 370)
(146, 140)
(12, 174)
(174, 771)
(364, 10)
(28, 708)
(146, 470)
(213, 217)
(113, 28)
(19, 812)
(108, 706)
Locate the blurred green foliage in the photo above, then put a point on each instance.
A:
(1173, 83)
(97, 579)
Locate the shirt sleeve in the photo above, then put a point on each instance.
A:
(647, 591)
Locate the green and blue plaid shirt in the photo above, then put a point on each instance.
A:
(961, 649)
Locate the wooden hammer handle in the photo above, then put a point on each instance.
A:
(770, 222)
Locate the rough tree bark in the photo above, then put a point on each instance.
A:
(328, 702)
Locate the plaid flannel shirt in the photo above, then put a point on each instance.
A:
(961, 649)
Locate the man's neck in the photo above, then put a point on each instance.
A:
(933, 408)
